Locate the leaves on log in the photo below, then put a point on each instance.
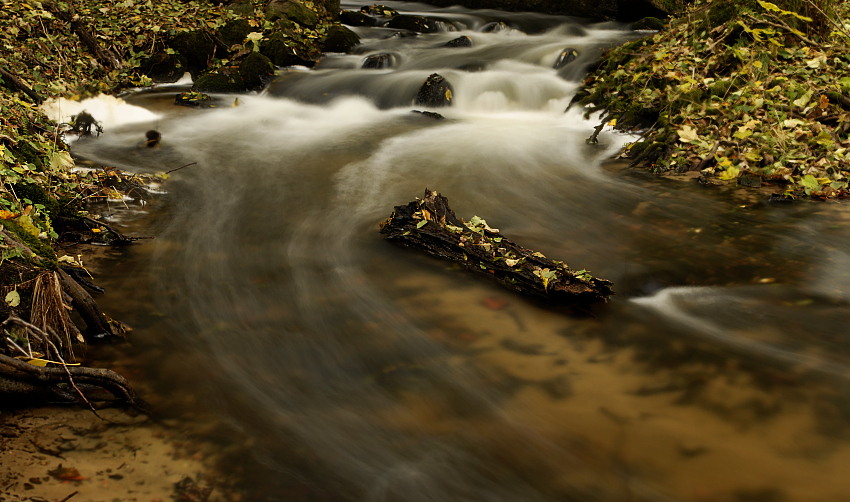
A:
(430, 224)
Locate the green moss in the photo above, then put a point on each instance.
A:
(38, 246)
(25, 152)
(720, 88)
(254, 69)
(221, 80)
(649, 23)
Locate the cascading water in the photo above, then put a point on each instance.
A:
(362, 371)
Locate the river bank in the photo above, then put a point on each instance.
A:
(313, 328)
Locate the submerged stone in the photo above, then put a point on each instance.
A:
(430, 115)
(379, 62)
(435, 92)
(462, 41)
(566, 57)
(494, 27)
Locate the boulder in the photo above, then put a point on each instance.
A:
(355, 18)
(649, 23)
(418, 24)
(566, 57)
(165, 68)
(292, 10)
(435, 92)
(234, 32)
(281, 54)
(379, 61)
(255, 69)
(340, 39)
(462, 41)
(225, 79)
(196, 46)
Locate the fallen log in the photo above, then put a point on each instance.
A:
(430, 225)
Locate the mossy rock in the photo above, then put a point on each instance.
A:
(418, 24)
(355, 18)
(649, 23)
(721, 88)
(164, 67)
(435, 92)
(340, 39)
(292, 10)
(196, 46)
(226, 79)
(255, 70)
(234, 32)
(280, 53)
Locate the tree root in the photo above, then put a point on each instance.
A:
(69, 384)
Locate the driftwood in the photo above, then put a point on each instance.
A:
(430, 225)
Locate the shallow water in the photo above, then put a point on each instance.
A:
(346, 368)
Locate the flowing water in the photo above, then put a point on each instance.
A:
(337, 366)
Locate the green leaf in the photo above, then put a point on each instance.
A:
(421, 223)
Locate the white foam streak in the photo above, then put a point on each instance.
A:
(108, 110)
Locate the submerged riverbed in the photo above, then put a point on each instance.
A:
(269, 312)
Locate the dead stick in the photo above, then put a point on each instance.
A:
(181, 167)
(66, 499)
(21, 85)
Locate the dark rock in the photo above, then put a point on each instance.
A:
(649, 23)
(234, 32)
(281, 54)
(418, 24)
(196, 46)
(462, 41)
(242, 8)
(340, 39)
(494, 27)
(355, 18)
(472, 66)
(225, 79)
(292, 10)
(430, 115)
(435, 92)
(255, 70)
(164, 67)
(749, 180)
(378, 10)
(566, 57)
(379, 61)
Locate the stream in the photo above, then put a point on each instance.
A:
(337, 366)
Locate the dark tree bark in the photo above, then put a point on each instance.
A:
(431, 226)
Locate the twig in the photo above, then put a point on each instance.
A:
(66, 499)
(181, 167)
(708, 158)
(21, 85)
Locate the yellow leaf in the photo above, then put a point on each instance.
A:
(448, 94)
(7, 215)
(44, 362)
(687, 134)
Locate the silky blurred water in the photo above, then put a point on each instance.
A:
(340, 367)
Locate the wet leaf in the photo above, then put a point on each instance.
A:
(421, 223)
(66, 474)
